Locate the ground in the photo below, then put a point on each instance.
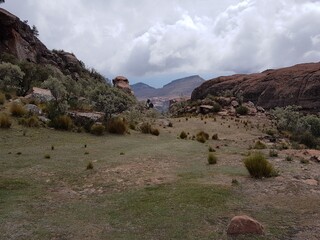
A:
(148, 187)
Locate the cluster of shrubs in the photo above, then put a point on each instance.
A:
(146, 128)
(304, 129)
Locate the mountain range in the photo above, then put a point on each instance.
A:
(182, 87)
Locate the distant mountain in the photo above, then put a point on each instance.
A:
(182, 87)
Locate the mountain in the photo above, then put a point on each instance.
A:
(295, 85)
(178, 88)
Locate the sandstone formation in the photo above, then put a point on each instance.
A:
(244, 225)
(122, 83)
(296, 85)
(18, 39)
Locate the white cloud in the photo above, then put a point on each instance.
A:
(144, 39)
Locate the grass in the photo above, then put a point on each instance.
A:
(160, 188)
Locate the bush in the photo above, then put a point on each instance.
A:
(183, 135)
(202, 137)
(117, 126)
(2, 98)
(62, 123)
(97, 129)
(212, 159)
(308, 139)
(242, 110)
(258, 166)
(17, 110)
(29, 122)
(5, 121)
(155, 131)
(145, 128)
(259, 145)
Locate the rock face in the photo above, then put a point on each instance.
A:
(18, 39)
(296, 85)
(122, 83)
(244, 225)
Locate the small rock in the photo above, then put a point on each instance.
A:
(244, 225)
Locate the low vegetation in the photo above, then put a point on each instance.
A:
(258, 166)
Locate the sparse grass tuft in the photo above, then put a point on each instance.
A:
(117, 126)
(202, 136)
(89, 166)
(273, 153)
(258, 166)
(5, 121)
(183, 135)
(259, 145)
(17, 110)
(97, 129)
(212, 159)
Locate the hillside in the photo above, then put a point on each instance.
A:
(296, 85)
(178, 88)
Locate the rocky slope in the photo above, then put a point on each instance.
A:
(176, 88)
(296, 85)
(19, 40)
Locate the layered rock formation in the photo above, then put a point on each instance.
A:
(296, 85)
(122, 83)
(18, 39)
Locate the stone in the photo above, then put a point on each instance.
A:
(122, 83)
(34, 109)
(244, 225)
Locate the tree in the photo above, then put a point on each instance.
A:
(11, 76)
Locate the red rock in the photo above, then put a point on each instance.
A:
(122, 83)
(296, 85)
(244, 225)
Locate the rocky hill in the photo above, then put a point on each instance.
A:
(178, 88)
(20, 40)
(296, 85)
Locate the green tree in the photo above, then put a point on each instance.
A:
(11, 76)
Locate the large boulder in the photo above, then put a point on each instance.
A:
(296, 85)
(122, 83)
(244, 225)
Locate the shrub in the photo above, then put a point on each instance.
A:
(273, 153)
(202, 137)
(17, 110)
(212, 159)
(97, 129)
(242, 110)
(5, 121)
(183, 135)
(145, 128)
(117, 126)
(155, 131)
(32, 121)
(259, 145)
(2, 98)
(258, 166)
(62, 123)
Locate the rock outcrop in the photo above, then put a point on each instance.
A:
(244, 225)
(18, 39)
(296, 85)
(123, 84)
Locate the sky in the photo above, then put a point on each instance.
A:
(156, 41)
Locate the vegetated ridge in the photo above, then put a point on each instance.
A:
(296, 85)
(177, 88)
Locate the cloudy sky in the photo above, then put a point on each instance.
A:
(156, 41)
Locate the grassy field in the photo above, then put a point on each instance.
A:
(148, 187)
